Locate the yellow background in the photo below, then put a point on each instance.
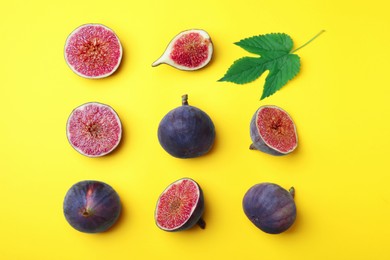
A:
(339, 101)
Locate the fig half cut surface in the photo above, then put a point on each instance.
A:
(93, 51)
(270, 207)
(189, 50)
(94, 129)
(186, 131)
(92, 206)
(180, 206)
(273, 131)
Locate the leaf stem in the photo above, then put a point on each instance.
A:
(318, 34)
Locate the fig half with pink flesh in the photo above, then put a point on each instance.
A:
(273, 131)
(180, 206)
(93, 51)
(189, 50)
(94, 129)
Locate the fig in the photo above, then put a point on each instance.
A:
(180, 206)
(270, 207)
(91, 206)
(273, 131)
(186, 131)
(93, 51)
(189, 50)
(94, 129)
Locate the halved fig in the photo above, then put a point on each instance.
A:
(180, 206)
(189, 50)
(273, 131)
(93, 51)
(94, 129)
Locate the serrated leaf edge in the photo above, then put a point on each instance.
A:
(294, 75)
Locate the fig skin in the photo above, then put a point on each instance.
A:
(91, 206)
(186, 131)
(270, 207)
(258, 143)
(196, 216)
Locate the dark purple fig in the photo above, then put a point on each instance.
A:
(270, 207)
(186, 131)
(91, 206)
(180, 206)
(273, 131)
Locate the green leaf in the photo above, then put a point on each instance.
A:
(281, 71)
(268, 46)
(244, 70)
(276, 56)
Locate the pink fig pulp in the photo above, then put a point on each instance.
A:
(93, 51)
(189, 50)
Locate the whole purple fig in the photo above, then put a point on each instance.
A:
(186, 131)
(91, 206)
(270, 207)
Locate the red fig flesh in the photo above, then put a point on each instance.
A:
(94, 129)
(180, 206)
(189, 50)
(273, 131)
(93, 51)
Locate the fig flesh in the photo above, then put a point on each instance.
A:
(186, 131)
(189, 50)
(93, 51)
(91, 206)
(273, 131)
(94, 129)
(270, 207)
(180, 206)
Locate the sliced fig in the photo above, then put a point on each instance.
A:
(94, 129)
(180, 206)
(189, 50)
(270, 207)
(92, 206)
(186, 131)
(273, 131)
(93, 51)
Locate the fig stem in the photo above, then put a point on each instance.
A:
(201, 223)
(292, 191)
(184, 100)
(252, 147)
(315, 36)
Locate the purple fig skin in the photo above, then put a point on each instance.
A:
(91, 206)
(270, 207)
(186, 131)
(258, 143)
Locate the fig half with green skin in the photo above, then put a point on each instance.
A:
(180, 206)
(91, 206)
(186, 131)
(189, 50)
(273, 131)
(270, 207)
